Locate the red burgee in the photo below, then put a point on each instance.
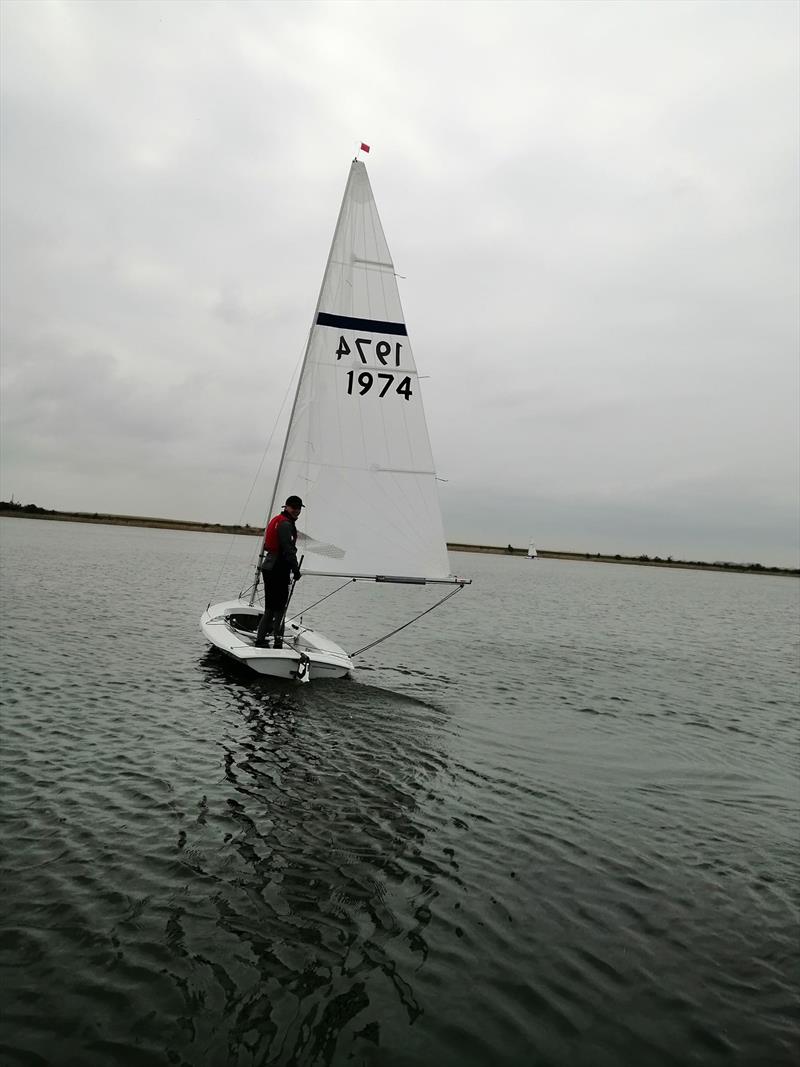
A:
(364, 147)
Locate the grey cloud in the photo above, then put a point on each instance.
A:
(594, 205)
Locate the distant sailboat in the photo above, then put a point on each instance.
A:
(357, 450)
(532, 551)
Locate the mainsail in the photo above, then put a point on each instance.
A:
(357, 448)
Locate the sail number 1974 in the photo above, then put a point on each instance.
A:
(366, 379)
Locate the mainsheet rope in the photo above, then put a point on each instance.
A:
(308, 607)
(399, 628)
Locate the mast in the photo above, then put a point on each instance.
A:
(299, 380)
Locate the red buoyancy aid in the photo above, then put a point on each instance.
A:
(271, 542)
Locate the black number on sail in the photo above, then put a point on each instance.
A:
(366, 379)
(382, 350)
(404, 388)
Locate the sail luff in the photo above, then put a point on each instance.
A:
(278, 473)
(310, 337)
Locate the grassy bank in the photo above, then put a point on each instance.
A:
(31, 511)
(638, 561)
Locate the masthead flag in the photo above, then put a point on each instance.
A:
(364, 147)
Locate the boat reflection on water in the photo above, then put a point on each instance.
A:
(315, 880)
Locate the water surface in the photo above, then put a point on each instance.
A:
(554, 823)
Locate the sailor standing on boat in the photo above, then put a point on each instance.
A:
(279, 563)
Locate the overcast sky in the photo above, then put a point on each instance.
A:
(594, 207)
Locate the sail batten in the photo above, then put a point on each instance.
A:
(357, 447)
(373, 469)
(411, 371)
(373, 263)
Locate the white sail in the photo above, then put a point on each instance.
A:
(357, 448)
(531, 550)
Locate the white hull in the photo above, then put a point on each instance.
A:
(306, 654)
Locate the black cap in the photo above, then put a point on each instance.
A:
(293, 502)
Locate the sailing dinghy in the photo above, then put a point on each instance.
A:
(356, 450)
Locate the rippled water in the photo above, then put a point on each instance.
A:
(555, 822)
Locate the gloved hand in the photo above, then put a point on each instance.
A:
(297, 575)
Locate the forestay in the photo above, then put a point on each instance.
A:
(357, 448)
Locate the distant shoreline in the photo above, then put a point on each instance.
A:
(99, 518)
(638, 561)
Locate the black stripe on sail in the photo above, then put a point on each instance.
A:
(345, 322)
